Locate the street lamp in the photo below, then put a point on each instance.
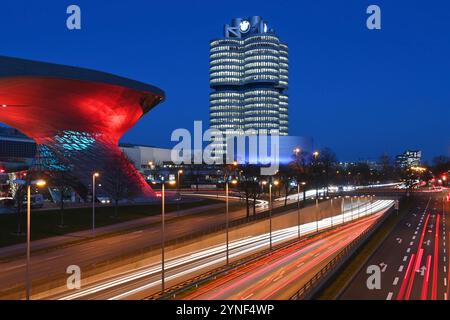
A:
(264, 182)
(163, 231)
(275, 183)
(298, 208)
(227, 218)
(317, 214)
(94, 175)
(316, 155)
(178, 179)
(38, 183)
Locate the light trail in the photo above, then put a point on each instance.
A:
(205, 258)
(436, 263)
(277, 275)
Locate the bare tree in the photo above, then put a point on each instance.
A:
(62, 180)
(327, 160)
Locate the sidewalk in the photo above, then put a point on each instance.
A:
(86, 235)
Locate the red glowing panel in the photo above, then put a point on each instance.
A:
(40, 107)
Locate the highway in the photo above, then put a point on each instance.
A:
(147, 280)
(48, 266)
(280, 274)
(413, 259)
(51, 263)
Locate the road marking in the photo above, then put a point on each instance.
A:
(389, 296)
(400, 269)
(15, 267)
(395, 281)
(445, 281)
(408, 250)
(411, 243)
(405, 258)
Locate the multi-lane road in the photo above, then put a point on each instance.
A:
(413, 260)
(145, 281)
(280, 274)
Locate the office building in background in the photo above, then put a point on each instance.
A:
(409, 158)
(249, 79)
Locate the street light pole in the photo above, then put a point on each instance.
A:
(28, 240)
(298, 208)
(39, 183)
(178, 179)
(95, 175)
(227, 220)
(331, 212)
(163, 237)
(317, 216)
(351, 204)
(270, 216)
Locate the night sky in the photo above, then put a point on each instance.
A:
(357, 91)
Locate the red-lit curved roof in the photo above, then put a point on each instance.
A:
(40, 99)
(39, 106)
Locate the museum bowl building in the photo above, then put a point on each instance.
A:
(76, 116)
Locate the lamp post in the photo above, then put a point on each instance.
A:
(39, 183)
(227, 219)
(275, 183)
(163, 231)
(298, 209)
(178, 179)
(331, 212)
(316, 155)
(317, 216)
(94, 175)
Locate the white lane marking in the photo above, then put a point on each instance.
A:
(445, 281)
(389, 296)
(14, 267)
(411, 243)
(405, 258)
(408, 250)
(395, 281)
(400, 269)
(414, 237)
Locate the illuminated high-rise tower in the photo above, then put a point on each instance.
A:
(249, 78)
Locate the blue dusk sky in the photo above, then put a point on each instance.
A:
(360, 92)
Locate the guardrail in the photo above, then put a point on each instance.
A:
(306, 290)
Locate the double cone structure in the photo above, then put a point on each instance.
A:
(77, 116)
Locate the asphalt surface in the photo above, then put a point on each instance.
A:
(53, 263)
(142, 282)
(282, 273)
(49, 266)
(413, 259)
